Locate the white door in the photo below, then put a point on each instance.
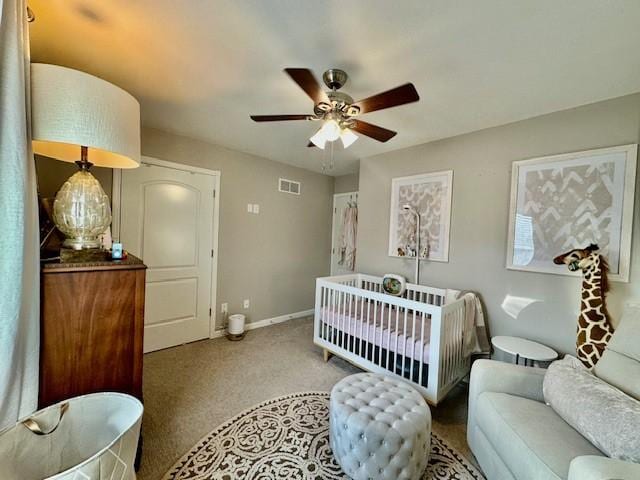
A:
(166, 219)
(340, 202)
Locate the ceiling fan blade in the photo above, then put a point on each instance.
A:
(278, 118)
(373, 131)
(391, 98)
(307, 82)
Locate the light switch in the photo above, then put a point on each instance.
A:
(256, 208)
(249, 208)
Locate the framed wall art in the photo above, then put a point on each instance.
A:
(429, 197)
(568, 201)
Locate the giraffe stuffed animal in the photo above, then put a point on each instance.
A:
(594, 327)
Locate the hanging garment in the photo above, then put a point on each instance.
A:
(348, 237)
(19, 242)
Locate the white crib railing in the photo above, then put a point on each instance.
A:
(417, 337)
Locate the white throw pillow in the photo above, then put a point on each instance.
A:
(606, 416)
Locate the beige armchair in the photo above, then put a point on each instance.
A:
(516, 436)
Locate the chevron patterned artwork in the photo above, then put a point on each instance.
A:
(430, 195)
(569, 201)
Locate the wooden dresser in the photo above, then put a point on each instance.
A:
(92, 324)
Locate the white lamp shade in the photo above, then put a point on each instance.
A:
(331, 130)
(348, 137)
(70, 109)
(318, 139)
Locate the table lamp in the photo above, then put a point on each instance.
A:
(76, 117)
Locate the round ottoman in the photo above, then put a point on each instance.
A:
(379, 428)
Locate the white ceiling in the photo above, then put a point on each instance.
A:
(200, 67)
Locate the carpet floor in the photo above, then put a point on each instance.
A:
(191, 389)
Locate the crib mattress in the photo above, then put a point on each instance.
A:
(381, 330)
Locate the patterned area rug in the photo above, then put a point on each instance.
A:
(288, 438)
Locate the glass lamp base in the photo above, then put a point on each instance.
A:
(82, 243)
(81, 210)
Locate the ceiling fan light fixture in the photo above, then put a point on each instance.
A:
(347, 137)
(337, 110)
(330, 130)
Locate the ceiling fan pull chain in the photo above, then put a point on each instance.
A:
(324, 160)
(331, 165)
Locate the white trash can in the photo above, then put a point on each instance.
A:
(236, 324)
(92, 437)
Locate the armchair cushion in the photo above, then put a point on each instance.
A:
(606, 416)
(493, 376)
(532, 440)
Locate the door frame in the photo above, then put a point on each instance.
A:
(333, 214)
(116, 198)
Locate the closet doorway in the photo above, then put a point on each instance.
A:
(167, 215)
(344, 232)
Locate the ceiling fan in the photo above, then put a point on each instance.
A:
(338, 111)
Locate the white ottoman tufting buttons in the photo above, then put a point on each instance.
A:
(379, 427)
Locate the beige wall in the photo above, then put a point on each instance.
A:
(481, 186)
(345, 183)
(272, 258)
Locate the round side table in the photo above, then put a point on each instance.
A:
(526, 349)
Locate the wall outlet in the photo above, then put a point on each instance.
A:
(224, 308)
(256, 208)
(245, 304)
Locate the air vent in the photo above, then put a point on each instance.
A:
(289, 186)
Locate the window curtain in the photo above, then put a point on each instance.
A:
(19, 236)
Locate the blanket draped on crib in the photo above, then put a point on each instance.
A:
(477, 341)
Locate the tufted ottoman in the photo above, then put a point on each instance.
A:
(380, 428)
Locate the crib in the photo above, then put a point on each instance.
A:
(417, 337)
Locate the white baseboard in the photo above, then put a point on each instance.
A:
(268, 321)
